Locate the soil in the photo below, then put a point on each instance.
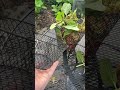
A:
(44, 19)
(72, 40)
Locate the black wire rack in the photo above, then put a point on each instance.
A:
(16, 54)
(98, 46)
(8, 4)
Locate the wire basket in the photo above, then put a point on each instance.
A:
(47, 49)
(98, 46)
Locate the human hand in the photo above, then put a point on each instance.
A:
(42, 77)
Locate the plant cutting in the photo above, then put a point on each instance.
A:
(68, 26)
(108, 74)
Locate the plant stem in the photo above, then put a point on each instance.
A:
(115, 85)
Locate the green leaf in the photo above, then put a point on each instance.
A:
(58, 32)
(44, 7)
(60, 16)
(70, 22)
(53, 26)
(66, 8)
(37, 9)
(80, 57)
(38, 3)
(67, 32)
(72, 15)
(108, 75)
(55, 10)
(61, 23)
(53, 6)
(59, 7)
(70, 1)
(75, 28)
(58, 1)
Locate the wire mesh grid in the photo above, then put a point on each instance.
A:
(76, 75)
(107, 22)
(7, 4)
(110, 47)
(47, 50)
(16, 54)
(67, 76)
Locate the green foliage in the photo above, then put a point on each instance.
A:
(81, 59)
(108, 74)
(38, 6)
(56, 8)
(66, 19)
(59, 3)
(66, 8)
(72, 27)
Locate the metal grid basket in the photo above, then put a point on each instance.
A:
(102, 47)
(47, 49)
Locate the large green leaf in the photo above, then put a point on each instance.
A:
(37, 9)
(108, 75)
(66, 8)
(58, 1)
(80, 57)
(75, 28)
(70, 22)
(60, 16)
(38, 3)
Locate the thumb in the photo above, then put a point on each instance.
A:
(52, 68)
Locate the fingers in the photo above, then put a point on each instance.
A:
(52, 68)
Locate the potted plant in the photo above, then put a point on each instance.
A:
(68, 26)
